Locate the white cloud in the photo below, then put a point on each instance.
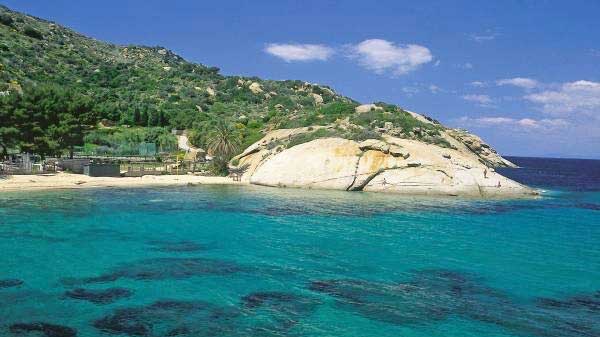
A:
(478, 84)
(383, 56)
(521, 82)
(483, 100)
(479, 38)
(579, 97)
(300, 52)
(410, 91)
(523, 123)
(434, 88)
(468, 65)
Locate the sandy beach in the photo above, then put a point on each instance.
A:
(77, 181)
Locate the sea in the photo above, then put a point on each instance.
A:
(257, 261)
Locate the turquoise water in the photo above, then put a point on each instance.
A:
(250, 261)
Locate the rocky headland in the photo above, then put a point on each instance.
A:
(464, 166)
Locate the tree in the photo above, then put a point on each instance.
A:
(74, 121)
(9, 134)
(45, 120)
(223, 144)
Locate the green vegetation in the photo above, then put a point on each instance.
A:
(354, 133)
(224, 143)
(122, 141)
(143, 92)
(403, 123)
(309, 136)
(45, 120)
(6, 19)
(32, 32)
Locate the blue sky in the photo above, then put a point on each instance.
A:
(524, 75)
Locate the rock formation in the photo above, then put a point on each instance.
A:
(388, 164)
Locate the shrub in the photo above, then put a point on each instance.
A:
(338, 109)
(309, 136)
(360, 134)
(6, 19)
(33, 33)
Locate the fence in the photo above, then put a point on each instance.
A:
(8, 168)
(133, 169)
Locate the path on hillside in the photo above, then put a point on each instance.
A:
(183, 143)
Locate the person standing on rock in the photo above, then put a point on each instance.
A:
(485, 173)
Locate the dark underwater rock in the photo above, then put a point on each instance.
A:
(391, 303)
(589, 302)
(9, 283)
(45, 329)
(278, 311)
(169, 318)
(259, 299)
(162, 269)
(433, 295)
(99, 296)
(177, 246)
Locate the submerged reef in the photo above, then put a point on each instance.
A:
(435, 295)
(169, 318)
(259, 314)
(176, 246)
(275, 312)
(427, 297)
(41, 329)
(162, 269)
(10, 283)
(99, 296)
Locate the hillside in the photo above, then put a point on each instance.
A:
(140, 93)
(151, 86)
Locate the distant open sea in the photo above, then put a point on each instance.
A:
(254, 261)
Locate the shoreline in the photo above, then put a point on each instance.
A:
(66, 181)
(61, 181)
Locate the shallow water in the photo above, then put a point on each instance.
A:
(250, 261)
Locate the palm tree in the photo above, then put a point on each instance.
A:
(223, 144)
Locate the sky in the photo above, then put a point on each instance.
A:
(523, 75)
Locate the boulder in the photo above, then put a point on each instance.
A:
(374, 144)
(466, 141)
(318, 99)
(255, 88)
(367, 107)
(420, 117)
(373, 165)
(328, 91)
(397, 151)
